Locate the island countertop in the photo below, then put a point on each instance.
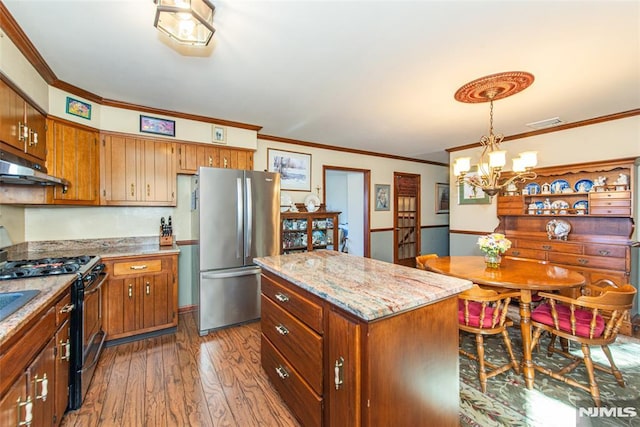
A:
(365, 287)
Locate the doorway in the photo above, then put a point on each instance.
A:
(406, 218)
(346, 190)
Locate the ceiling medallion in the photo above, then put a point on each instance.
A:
(494, 87)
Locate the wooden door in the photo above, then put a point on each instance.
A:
(406, 235)
(11, 117)
(73, 155)
(187, 159)
(157, 300)
(13, 406)
(122, 162)
(121, 301)
(41, 380)
(208, 157)
(37, 134)
(61, 392)
(344, 386)
(158, 175)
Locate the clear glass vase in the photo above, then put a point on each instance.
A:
(493, 260)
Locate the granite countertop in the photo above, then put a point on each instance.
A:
(368, 288)
(51, 287)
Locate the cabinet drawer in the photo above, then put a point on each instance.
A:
(510, 205)
(554, 246)
(613, 203)
(602, 210)
(588, 261)
(304, 309)
(527, 253)
(297, 342)
(301, 400)
(63, 309)
(606, 250)
(140, 266)
(596, 197)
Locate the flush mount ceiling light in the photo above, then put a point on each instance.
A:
(492, 159)
(186, 21)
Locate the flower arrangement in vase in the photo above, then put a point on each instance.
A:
(493, 245)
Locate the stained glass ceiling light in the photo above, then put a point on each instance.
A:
(186, 21)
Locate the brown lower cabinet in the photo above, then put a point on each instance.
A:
(141, 295)
(334, 369)
(40, 363)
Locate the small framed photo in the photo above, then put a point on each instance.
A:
(157, 126)
(442, 198)
(471, 195)
(294, 169)
(78, 108)
(383, 197)
(219, 134)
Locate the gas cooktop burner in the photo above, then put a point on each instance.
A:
(43, 267)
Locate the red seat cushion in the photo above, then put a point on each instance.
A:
(475, 308)
(542, 314)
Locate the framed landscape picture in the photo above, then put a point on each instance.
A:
(442, 198)
(157, 126)
(294, 169)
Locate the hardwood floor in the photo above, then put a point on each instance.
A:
(183, 379)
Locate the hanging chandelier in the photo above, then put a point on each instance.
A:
(493, 159)
(186, 21)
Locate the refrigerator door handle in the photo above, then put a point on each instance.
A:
(249, 233)
(239, 219)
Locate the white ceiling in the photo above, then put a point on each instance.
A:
(369, 75)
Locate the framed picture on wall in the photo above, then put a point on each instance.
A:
(157, 126)
(294, 168)
(442, 198)
(78, 108)
(471, 195)
(383, 197)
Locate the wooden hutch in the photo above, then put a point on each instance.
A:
(594, 201)
(306, 231)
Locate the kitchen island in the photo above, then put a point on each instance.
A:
(353, 341)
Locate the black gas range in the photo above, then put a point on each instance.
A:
(86, 333)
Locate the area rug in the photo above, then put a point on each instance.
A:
(550, 403)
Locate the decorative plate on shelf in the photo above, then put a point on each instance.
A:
(539, 205)
(558, 229)
(559, 204)
(581, 204)
(312, 202)
(558, 185)
(533, 188)
(583, 186)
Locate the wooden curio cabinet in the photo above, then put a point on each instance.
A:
(594, 201)
(306, 231)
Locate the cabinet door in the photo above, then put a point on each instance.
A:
(228, 158)
(344, 366)
(11, 117)
(208, 156)
(73, 155)
(158, 300)
(63, 355)
(121, 302)
(37, 133)
(41, 380)
(16, 406)
(121, 163)
(158, 176)
(187, 159)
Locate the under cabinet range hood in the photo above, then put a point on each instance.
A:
(14, 170)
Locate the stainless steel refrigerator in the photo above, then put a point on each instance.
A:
(235, 218)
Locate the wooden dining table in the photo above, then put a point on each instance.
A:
(522, 275)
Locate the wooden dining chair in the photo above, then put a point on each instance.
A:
(422, 259)
(588, 320)
(484, 312)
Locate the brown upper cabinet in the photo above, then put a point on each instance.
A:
(192, 156)
(22, 126)
(137, 172)
(73, 154)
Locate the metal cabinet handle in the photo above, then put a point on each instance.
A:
(282, 330)
(282, 297)
(516, 253)
(138, 267)
(68, 308)
(547, 247)
(148, 190)
(23, 131)
(282, 373)
(130, 291)
(604, 252)
(338, 373)
(44, 390)
(583, 261)
(133, 189)
(28, 411)
(148, 286)
(65, 350)
(226, 163)
(210, 161)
